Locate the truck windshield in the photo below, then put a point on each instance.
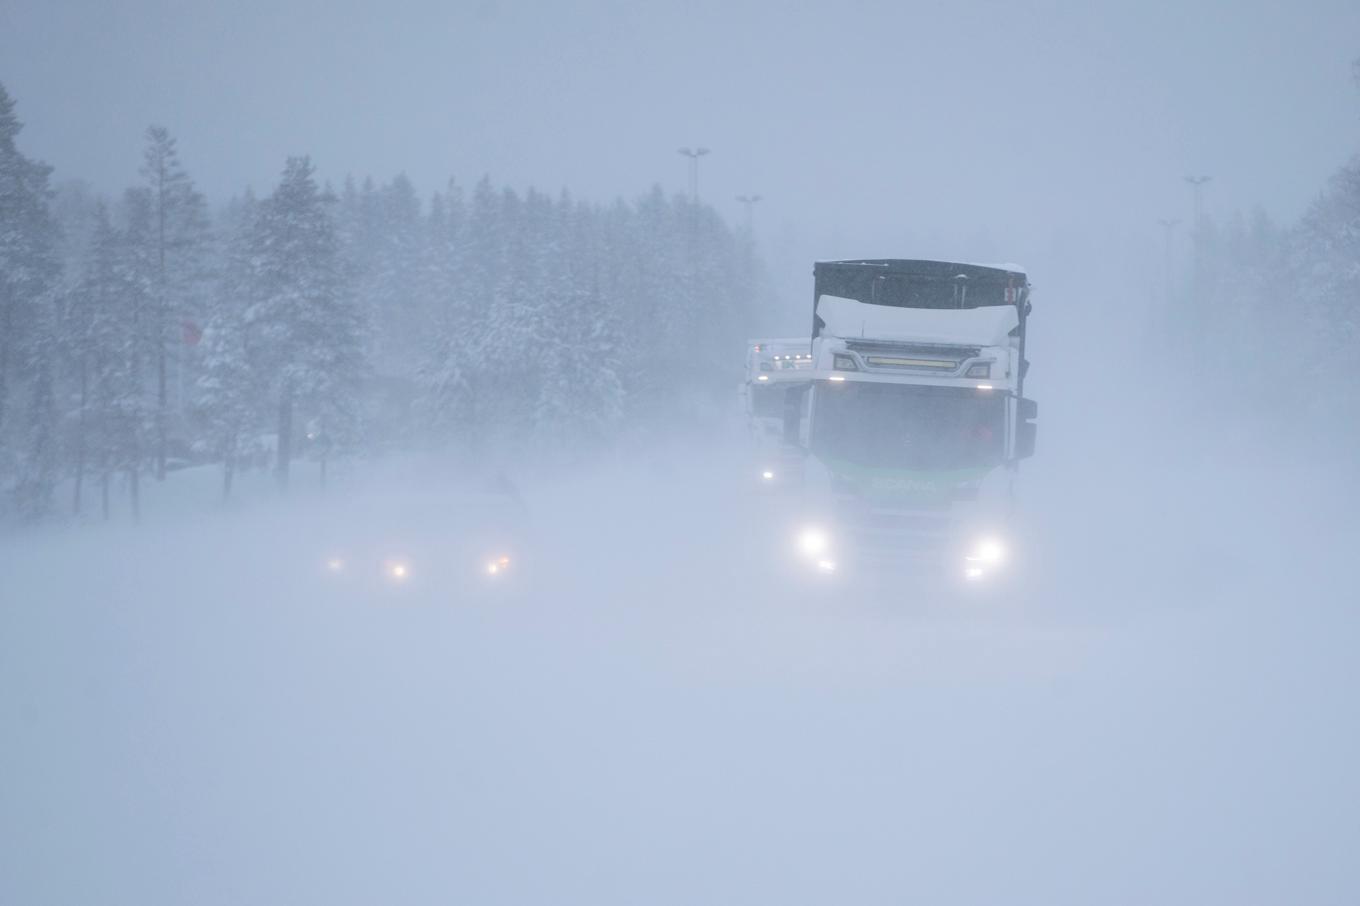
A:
(909, 427)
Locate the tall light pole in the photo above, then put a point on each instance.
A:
(1167, 225)
(1196, 184)
(1197, 309)
(694, 154)
(749, 202)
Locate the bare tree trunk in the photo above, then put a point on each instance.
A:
(161, 399)
(228, 472)
(135, 493)
(161, 307)
(80, 439)
(6, 333)
(285, 439)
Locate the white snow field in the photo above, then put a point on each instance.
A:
(1162, 711)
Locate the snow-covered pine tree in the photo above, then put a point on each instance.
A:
(104, 347)
(29, 267)
(137, 264)
(1325, 267)
(443, 404)
(581, 396)
(179, 241)
(228, 399)
(392, 289)
(39, 466)
(303, 320)
(458, 379)
(226, 394)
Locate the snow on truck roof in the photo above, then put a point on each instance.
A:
(950, 289)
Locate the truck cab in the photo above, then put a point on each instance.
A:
(916, 421)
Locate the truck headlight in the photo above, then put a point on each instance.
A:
(842, 362)
(987, 552)
(813, 542)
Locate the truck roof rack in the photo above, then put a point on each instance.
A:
(908, 283)
(924, 269)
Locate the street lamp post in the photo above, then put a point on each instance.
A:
(1167, 225)
(749, 202)
(1197, 310)
(694, 154)
(1196, 184)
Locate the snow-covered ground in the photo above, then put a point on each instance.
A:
(195, 712)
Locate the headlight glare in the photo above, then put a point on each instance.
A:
(813, 542)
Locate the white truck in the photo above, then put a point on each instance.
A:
(916, 419)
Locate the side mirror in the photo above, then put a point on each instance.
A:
(1025, 433)
(1026, 409)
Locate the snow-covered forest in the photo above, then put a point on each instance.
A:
(158, 329)
(1257, 313)
(155, 330)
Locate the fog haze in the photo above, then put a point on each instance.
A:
(862, 124)
(367, 538)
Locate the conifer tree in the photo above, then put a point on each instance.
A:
(304, 323)
(29, 267)
(178, 241)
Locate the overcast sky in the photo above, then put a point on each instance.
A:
(869, 127)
